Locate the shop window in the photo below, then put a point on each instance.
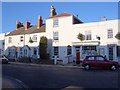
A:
(89, 48)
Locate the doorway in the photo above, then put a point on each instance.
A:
(110, 53)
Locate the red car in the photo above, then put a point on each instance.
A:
(99, 62)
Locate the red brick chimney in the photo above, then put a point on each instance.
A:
(40, 22)
(27, 25)
(18, 25)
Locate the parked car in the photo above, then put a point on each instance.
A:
(99, 62)
(4, 60)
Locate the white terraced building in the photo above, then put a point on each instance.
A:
(2, 42)
(61, 31)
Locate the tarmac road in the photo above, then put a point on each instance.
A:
(41, 76)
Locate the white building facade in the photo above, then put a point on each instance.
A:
(2, 44)
(61, 31)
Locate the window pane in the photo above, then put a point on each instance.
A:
(69, 50)
(55, 35)
(34, 38)
(100, 58)
(91, 58)
(55, 22)
(88, 35)
(56, 51)
(110, 33)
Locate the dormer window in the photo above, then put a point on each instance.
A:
(34, 38)
(55, 23)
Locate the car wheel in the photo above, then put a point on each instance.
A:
(113, 67)
(87, 67)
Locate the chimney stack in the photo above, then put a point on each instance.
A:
(104, 19)
(52, 11)
(27, 25)
(40, 22)
(18, 25)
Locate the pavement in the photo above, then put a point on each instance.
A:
(70, 65)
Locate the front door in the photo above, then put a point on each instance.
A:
(110, 53)
(78, 56)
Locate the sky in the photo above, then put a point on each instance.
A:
(86, 11)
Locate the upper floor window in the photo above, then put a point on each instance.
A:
(21, 39)
(110, 33)
(55, 23)
(88, 35)
(10, 40)
(55, 36)
(34, 38)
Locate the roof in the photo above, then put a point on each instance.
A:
(30, 30)
(75, 19)
(61, 15)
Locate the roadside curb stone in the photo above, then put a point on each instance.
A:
(47, 65)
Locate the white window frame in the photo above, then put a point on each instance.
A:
(88, 35)
(34, 38)
(69, 50)
(56, 51)
(55, 23)
(9, 39)
(110, 33)
(56, 35)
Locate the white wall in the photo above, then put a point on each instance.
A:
(2, 40)
(68, 32)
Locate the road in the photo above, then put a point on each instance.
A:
(61, 77)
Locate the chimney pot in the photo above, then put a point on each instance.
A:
(104, 19)
(18, 24)
(52, 11)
